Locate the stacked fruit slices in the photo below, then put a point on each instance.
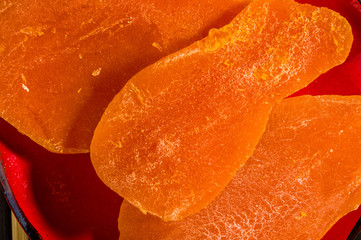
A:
(65, 196)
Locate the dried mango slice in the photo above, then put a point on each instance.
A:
(175, 135)
(62, 62)
(302, 177)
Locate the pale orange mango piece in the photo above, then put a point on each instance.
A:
(303, 176)
(175, 135)
(63, 61)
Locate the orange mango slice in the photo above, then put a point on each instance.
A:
(302, 177)
(175, 135)
(62, 62)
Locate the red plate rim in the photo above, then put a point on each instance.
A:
(29, 229)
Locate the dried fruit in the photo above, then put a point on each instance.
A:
(344, 79)
(305, 172)
(62, 62)
(173, 138)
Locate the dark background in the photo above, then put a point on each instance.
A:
(5, 219)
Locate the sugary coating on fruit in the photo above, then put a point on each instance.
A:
(302, 177)
(62, 61)
(175, 135)
(344, 79)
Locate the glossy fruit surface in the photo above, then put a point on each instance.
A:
(304, 172)
(174, 136)
(344, 79)
(62, 62)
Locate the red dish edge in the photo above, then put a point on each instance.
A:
(343, 80)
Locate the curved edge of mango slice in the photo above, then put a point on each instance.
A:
(174, 136)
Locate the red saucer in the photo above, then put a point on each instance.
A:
(60, 196)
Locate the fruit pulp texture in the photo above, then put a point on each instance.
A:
(62, 62)
(344, 79)
(175, 135)
(305, 172)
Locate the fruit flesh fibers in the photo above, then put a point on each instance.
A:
(302, 177)
(62, 62)
(175, 135)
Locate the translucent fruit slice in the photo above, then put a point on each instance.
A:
(63, 61)
(302, 177)
(175, 135)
